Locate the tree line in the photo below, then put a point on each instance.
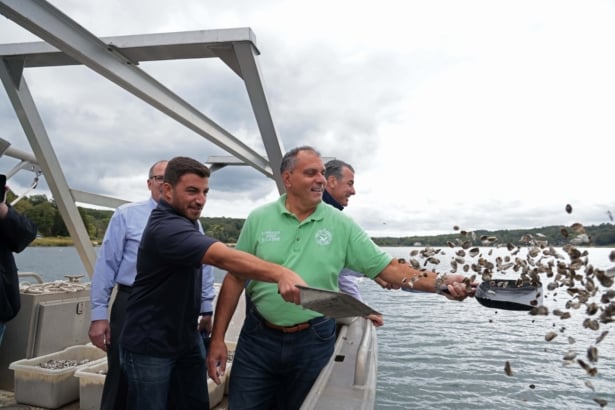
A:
(44, 212)
(595, 235)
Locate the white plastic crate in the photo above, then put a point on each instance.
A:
(52, 388)
(91, 383)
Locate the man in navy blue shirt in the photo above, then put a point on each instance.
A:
(116, 267)
(160, 348)
(339, 189)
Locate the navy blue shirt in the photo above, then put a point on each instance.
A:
(327, 198)
(164, 304)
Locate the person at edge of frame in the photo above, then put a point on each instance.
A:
(17, 231)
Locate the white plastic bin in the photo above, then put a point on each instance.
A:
(91, 383)
(52, 388)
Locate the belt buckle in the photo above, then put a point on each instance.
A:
(287, 329)
(296, 328)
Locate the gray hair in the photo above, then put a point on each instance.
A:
(335, 168)
(289, 160)
(151, 170)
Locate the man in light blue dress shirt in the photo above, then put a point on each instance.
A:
(116, 266)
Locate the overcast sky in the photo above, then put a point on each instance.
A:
(483, 114)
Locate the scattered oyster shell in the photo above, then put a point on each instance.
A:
(508, 368)
(592, 354)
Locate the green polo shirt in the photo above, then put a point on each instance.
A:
(317, 248)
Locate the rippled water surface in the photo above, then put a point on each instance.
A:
(440, 354)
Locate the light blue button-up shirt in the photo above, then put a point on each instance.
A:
(117, 258)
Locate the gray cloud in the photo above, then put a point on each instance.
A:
(487, 124)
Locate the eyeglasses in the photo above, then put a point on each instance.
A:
(158, 178)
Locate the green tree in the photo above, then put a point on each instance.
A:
(43, 214)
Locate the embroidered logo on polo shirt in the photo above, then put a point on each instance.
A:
(323, 237)
(270, 236)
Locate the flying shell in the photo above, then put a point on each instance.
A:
(592, 354)
(508, 368)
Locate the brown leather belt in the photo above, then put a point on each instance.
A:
(288, 329)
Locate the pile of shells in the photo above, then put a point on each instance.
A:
(568, 273)
(62, 364)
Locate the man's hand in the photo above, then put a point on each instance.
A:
(383, 283)
(205, 324)
(100, 334)
(458, 287)
(377, 320)
(216, 359)
(287, 286)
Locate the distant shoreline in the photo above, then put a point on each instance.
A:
(57, 241)
(67, 241)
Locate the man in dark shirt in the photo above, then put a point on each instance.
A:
(16, 232)
(339, 189)
(161, 350)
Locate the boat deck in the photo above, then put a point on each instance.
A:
(7, 401)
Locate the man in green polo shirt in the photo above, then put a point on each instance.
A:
(277, 360)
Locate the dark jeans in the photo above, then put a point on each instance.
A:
(115, 389)
(275, 370)
(152, 381)
(2, 329)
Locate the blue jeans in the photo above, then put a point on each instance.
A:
(2, 329)
(275, 370)
(155, 381)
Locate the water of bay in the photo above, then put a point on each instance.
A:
(440, 354)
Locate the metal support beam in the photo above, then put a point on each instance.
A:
(116, 58)
(32, 124)
(24, 165)
(4, 146)
(95, 199)
(51, 25)
(253, 81)
(137, 48)
(217, 162)
(27, 161)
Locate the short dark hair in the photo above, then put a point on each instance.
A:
(335, 168)
(289, 160)
(179, 166)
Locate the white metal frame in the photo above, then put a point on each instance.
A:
(117, 58)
